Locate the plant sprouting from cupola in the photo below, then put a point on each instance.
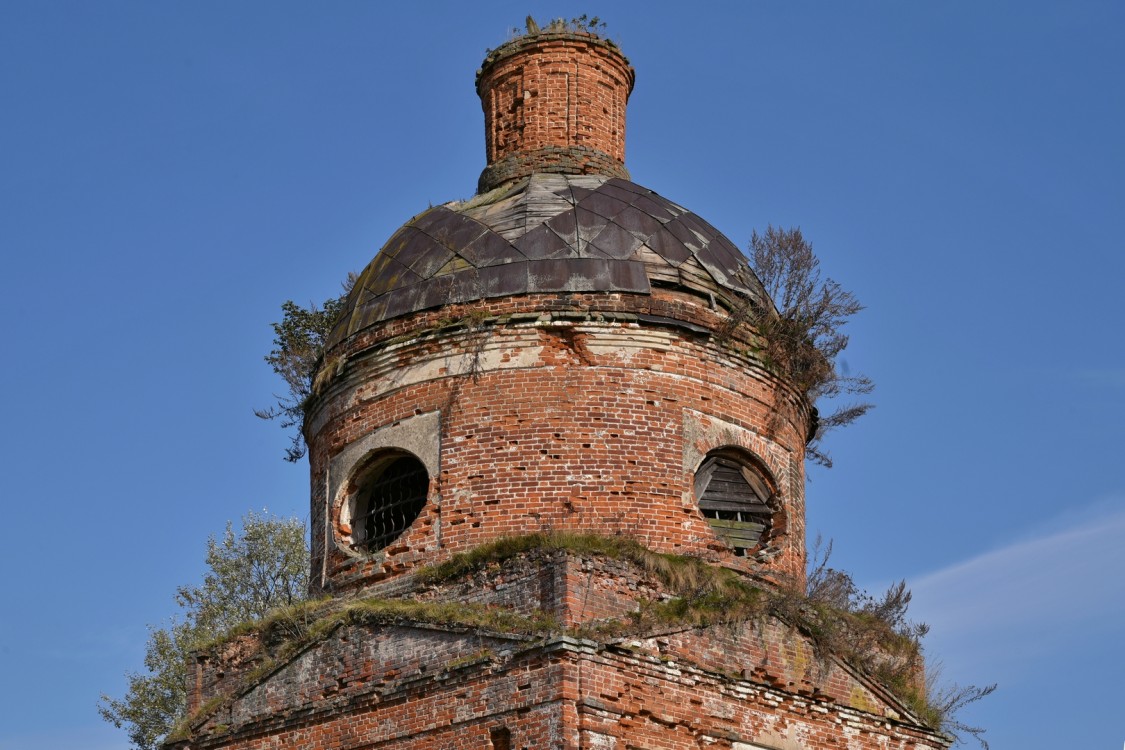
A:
(803, 335)
(298, 346)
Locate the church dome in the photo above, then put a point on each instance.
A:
(547, 233)
(556, 210)
(556, 353)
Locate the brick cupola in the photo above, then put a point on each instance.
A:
(562, 352)
(554, 102)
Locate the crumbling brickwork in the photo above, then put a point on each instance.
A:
(554, 102)
(407, 684)
(570, 413)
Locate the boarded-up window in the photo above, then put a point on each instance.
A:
(734, 499)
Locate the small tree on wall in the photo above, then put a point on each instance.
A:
(298, 345)
(803, 335)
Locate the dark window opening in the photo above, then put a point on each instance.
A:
(735, 500)
(388, 502)
(501, 738)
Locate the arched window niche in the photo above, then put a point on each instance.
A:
(385, 496)
(736, 496)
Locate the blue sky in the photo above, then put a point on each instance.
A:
(171, 172)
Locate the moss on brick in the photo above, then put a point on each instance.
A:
(683, 575)
(704, 594)
(699, 595)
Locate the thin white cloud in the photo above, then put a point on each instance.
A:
(1028, 596)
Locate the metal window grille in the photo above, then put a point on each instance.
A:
(391, 503)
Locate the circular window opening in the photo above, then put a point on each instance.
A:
(735, 500)
(388, 499)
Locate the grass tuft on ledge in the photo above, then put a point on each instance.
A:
(871, 635)
(681, 574)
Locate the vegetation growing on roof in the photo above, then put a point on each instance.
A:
(298, 346)
(803, 335)
(592, 26)
(583, 24)
(678, 572)
(289, 630)
(872, 634)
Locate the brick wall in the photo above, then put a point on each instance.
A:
(630, 699)
(395, 686)
(580, 417)
(554, 102)
(576, 589)
(755, 684)
(561, 694)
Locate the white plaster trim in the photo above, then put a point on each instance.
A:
(704, 433)
(419, 435)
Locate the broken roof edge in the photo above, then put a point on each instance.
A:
(549, 233)
(552, 35)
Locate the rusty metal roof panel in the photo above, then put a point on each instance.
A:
(425, 258)
(657, 207)
(550, 275)
(603, 205)
(433, 292)
(590, 225)
(543, 243)
(566, 226)
(664, 243)
(587, 274)
(615, 242)
(725, 253)
(464, 286)
(689, 239)
(504, 280)
(399, 301)
(629, 187)
(547, 233)
(613, 190)
(639, 223)
(392, 275)
(455, 231)
(491, 249)
(629, 276)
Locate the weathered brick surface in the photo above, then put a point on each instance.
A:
(554, 103)
(396, 687)
(219, 670)
(576, 589)
(414, 685)
(558, 695)
(553, 418)
(628, 699)
(582, 589)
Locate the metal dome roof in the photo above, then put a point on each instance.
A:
(545, 233)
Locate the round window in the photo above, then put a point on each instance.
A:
(388, 497)
(735, 500)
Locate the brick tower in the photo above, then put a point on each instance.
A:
(540, 422)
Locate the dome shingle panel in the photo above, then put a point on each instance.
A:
(546, 233)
